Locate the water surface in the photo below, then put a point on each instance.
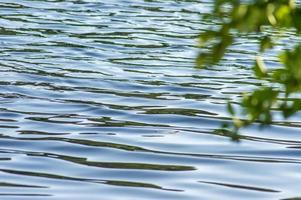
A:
(101, 100)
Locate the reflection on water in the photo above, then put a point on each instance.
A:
(101, 100)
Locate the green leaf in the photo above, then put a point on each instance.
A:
(266, 43)
(259, 68)
(230, 108)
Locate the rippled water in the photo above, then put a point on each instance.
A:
(101, 100)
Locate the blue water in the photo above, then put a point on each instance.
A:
(102, 100)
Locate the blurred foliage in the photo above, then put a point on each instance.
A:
(255, 16)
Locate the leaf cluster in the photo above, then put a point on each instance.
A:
(255, 16)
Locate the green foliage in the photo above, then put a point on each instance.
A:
(256, 16)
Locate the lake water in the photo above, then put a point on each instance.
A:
(101, 100)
